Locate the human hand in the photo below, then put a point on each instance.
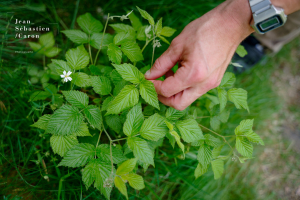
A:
(203, 51)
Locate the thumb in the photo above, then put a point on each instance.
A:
(164, 63)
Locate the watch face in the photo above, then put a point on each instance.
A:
(270, 24)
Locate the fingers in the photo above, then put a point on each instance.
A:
(165, 62)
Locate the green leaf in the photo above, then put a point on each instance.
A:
(135, 21)
(212, 141)
(114, 122)
(177, 138)
(126, 167)
(77, 36)
(103, 153)
(134, 121)
(204, 155)
(93, 115)
(135, 181)
(158, 26)
(62, 144)
(128, 97)
(114, 53)
(77, 58)
(132, 51)
(146, 16)
(167, 31)
(238, 97)
(189, 130)
(253, 137)
(129, 73)
(65, 121)
(42, 123)
(222, 94)
(241, 51)
(52, 52)
(171, 139)
(169, 125)
(122, 27)
(154, 128)
(141, 35)
(244, 127)
(164, 39)
(81, 79)
(89, 24)
(148, 93)
(119, 87)
(119, 183)
(106, 103)
(96, 40)
(218, 168)
(123, 37)
(216, 151)
(200, 170)
(76, 98)
(228, 80)
(101, 85)
(115, 77)
(39, 95)
(173, 114)
(215, 123)
(198, 143)
(141, 150)
(60, 66)
(223, 116)
(35, 47)
(83, 130)
(47, 40)
(78, 155)
(243, 146)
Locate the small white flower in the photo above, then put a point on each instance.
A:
(66, 76)
(156, 43)
(125, 16)
(147, 30)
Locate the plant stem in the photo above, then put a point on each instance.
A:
(102, 39)
(98, 142)
(90, 52)
(147, 44)
(110, 143)
(153, 47)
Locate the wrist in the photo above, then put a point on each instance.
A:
(289, 6)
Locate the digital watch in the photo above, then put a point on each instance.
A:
(266, 16)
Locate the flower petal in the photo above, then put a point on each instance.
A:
(66, 79)
(69, 73)
(69, 78)
(62, 76)
(65, 72)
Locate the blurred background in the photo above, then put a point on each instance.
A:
(273, 87)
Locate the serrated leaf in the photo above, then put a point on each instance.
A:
(106, 103)
(215, 123)
(241, 51)
(114, 122)
(114, 53)
(243, 146)
(76, 98)
(169, 125)
(78, 155)
(222, 94)
(119, 183)
(135, 181)
(65, 121)
(101, 85)
(204, 155)
(76, 36)
(228, 80)
(253, 137)
(171, 139)
(134, 121)
(146, 16)
(135, 21)
(132, 51)
(77, 58)
(60, 66)
(52, 52)
(141, 150)
(167, 31)
(81, 79)
(216, 151)
(177, 138)
(119, 87)
(97, 41)
(62, 144)
(128, 97)
(39, 95)
(89, 24)
(212, 141)
(83, 130)
(223, 116)
(129, 73)
(123, 37)
(115, 77)
(244, 127)
(189, 130)
(103, 153)
(200, 170)
(36, 47)
(198, 143)
(122, 27)
(218, 168)
(141, 35)
(42, 123)
(148, 93)
(126, 167)
(164, 39)
(173, 114)
(238, 97)
(154, 128)
(158, 26)
(47, 40)
(93, 115)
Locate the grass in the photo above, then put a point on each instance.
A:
(172, 178)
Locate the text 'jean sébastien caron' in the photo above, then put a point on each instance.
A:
(20, 30)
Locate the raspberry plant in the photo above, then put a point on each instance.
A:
(117, 100)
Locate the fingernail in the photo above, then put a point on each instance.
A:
(147, 73)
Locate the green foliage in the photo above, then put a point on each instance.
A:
(115, 99)
(46, 45)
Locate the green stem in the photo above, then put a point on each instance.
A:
(153, 47)
(90, 52)
(147, 44)
(102, 39)
(110, 143)
(98, 142)
(62, 179)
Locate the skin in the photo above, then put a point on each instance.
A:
(203, 51)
